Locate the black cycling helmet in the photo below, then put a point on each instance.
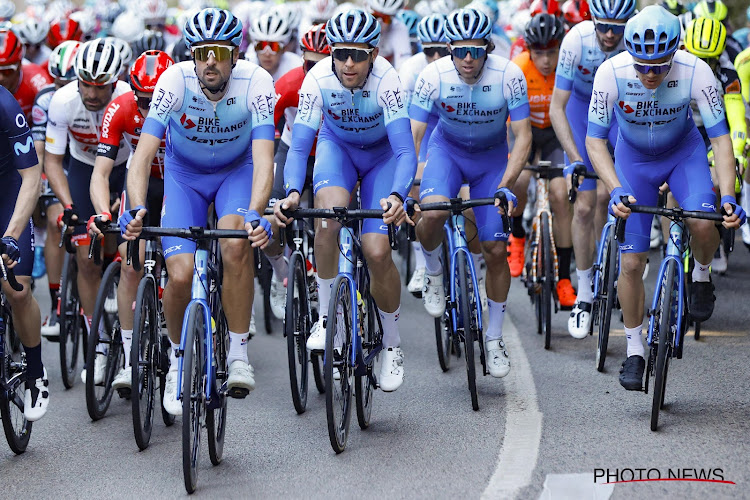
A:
(150, 40)
(544, 31)
(181, 51)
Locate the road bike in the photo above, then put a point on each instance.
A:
(73, 332)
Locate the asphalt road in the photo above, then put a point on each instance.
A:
(553, 415)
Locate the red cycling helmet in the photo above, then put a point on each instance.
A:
(148, 68)
(11, 48)
(315, 40)
(64, 29)
(576, 11)
(545, 7)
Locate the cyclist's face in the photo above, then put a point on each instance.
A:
(95, 97)
(545, 60)
(212, 73)
(353, 74)
(468, 67)
(608, 41)
(269, 60)
(651, 80)
(9, 77)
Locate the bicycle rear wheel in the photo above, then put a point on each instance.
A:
(317, 369)
(99, 394)
(297, 329)
(216, 413)
(144, 359)
(548, 278)
(193, 380)
(466, 323)
(607, 303)
(17, 428)
(265, 274)
(667, 318)
(338, 369)
(71, 321)
(371, 339)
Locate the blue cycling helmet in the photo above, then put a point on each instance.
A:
(410, 19)
(213, 25)
(652, 34)
(431, 29)
(353, 26)
(467, 24)
(612, 9)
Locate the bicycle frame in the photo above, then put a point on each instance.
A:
(599, 265)
(6, 386)
(674, 253)
(542, 207)
(457, 231)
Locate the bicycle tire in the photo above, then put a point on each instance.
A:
(465, 311)
(697, 330)
(317, 369)
(265, 275)
(443, 326)
(608, 303)
(17, 429)
(166, 417)
(548, 278)
(98, 396)
(193, 374)
(144, 357)
(216, 415)
(297, 329)
(666, 311)
(71, 322)
(339, 333)
(371, 339)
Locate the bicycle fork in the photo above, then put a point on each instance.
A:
(458, 237)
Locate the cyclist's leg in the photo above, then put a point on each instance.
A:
(561, 225)
(53, 257)
(274, 251)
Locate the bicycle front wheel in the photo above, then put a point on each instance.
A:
(193, 396)
(548, 278)
(607, 303)
(17, 428)
(338, 370)
(71, 322)
(443, 326)
(297, 329)
(466, 323)
(667, 319)
(144, 357)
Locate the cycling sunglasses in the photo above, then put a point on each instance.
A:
(220, 52)
(476, 51)
(383, 18)
(344, 53)
(274, 47)
(437, 48)
(604, 28)
(658, 69)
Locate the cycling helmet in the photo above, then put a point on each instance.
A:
(576, 11)
(128, 27)
(11, 48)
(87, 22)
(150, 40)
(7, 9)
(62, 59)
(315, 40)
(32, 31)
(353, 26)
(545, 7)
(410, 19)
(153, 11)
(98, 62)
(213, 25)
(320, 10)
(444, 7)
(272, 26)
(66, 29)
(612, 9)
(487, 8)
(387, 7)
(289, 12)
(673, 6)
(181, 51)
(148, 68)
(705, 37)
(423, 8)
(431, 29)
(544, 31)
(713, 9)
(652, 34)
(467, 24)
(126, 51)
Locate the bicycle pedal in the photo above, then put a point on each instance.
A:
(124, 393)
(238, 393)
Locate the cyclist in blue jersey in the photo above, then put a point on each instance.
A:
(474, 93)
(365, 137)
(649, 89)
(217, 112)
(586, 46)
(19, 193)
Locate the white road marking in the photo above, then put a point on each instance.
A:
(523, 426)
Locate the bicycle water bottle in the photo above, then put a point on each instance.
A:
(361, 312)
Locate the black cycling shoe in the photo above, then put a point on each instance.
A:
(631, 373)
(702, 300)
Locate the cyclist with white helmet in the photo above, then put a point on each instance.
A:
(74, 118)
(7, 10)
(369, 139)
(271, 33)
(154, 14)
(317, 12)
(586, 46)
(216, 99)
(33, 33)
(394, 43)
(474, 93)
(649, 89)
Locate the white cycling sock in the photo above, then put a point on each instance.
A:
(585, 293)
(280, 266)
(237, 347)
(173, 356)
(391, 336)
(127, 341)
(701, 272)
(432, 260)
(324, 294)
(635, 341)
(418, 255)
(495, 323)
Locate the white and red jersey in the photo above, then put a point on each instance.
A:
(287, 99)
(68, 119)
(123, 120)
(33, 79)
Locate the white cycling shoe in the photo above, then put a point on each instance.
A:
(36, 398)
(580, 320)
(278, 297)
(392, 369)
(433, 295)
(122, 379)
(241, 376)
(170, 401)
(317, 339)
(100, 366)
(498, 359)
(416, 283)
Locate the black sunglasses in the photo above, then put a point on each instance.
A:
(431, 51)
(344, 53)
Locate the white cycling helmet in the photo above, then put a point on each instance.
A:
(290, 12)
(423, 8)
(272, 26)
(444, 7)
(32, 31)
(320, 10)
(128, 26)
(126, 51)
(99, 62)
(153, 11)
(387, 7)
(7, 9)
(86, 20)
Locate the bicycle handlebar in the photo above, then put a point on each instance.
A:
(676, 213)
(578, 172)
(65, 237)
(458, 205)
(545, 169)
(8, 274)
(96, 243)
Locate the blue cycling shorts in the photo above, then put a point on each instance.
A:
(340, 164)
(9, 190)
(684, 168)
(449, 167)
(577, 112)
(189, 190)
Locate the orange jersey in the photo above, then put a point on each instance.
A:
(539, 90)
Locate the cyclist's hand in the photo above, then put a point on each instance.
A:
(396, 214)
(131, 222)
(68, 217)
(664, 188)
(741, 164)
(260, 235)
(735, 214)
(616, 206)
(509, 197)
(92, 226)
(12, 251)
(291, 202)
(568, 173)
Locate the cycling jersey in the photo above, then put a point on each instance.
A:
(39, 112)
(472, 117)
(288, 62)
(33, 78)
(539, 90)
(195, 125)
(363, 119)
(518, 47)
(123, 120)
(742, 65)
(70, 123)
(287, 98)
(409, 73)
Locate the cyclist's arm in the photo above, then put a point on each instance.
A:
(262, 174)
(99, 187)
(418, 130)
(742, 65)
(28, 195)
(306, 124)
(39, 125)
(262, 136)
(516, 95)
(106, 154)
(570, 52)
(392, 99)
(421, 103)
(601, 113)
(56, 142)
(140, 168)
(520, 152)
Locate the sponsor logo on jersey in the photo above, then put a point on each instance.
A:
(108, 118)
(38, 115)
(23, 148)
(599, 106)
(21, 121)
(231, 101)
(392, 102)
(715, 104)
(186, 122)
(306, 106)
(517, 92)
(211, 142)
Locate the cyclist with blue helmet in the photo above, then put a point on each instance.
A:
(742, 35)
(586, 46)
(474, 93)
(365, 137)
(217, 113)
(649, 89)
(410, 19)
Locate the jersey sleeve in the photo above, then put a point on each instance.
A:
(603, 98)
(15, 130)
(286, 97)
(742, 65)
(515, 92)
(703, 90)
(167, 97)
(392, 98)
(310, 107)
(306, 124)
(111, 131)
(570, 54)
(261, 97)
(39, 115)
(57, 125)
(426, 91)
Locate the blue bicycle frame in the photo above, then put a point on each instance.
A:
(457, 243)
(600, 254)
(674, 253)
